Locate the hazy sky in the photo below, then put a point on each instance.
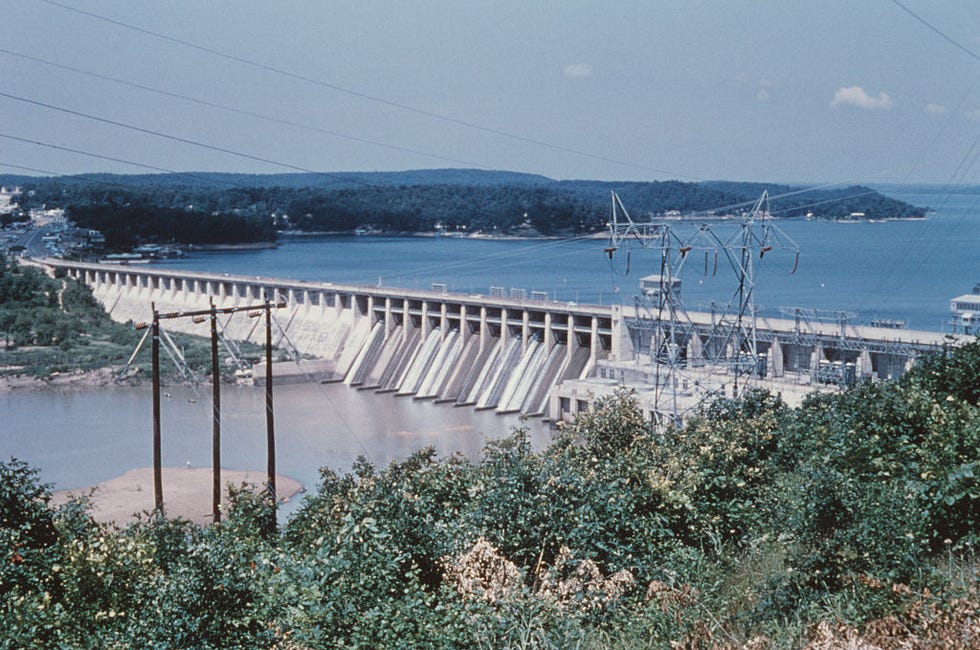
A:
(782, 91)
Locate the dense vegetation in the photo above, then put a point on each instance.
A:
(227, 208)
(49, 325)
(128, 224)
(54, 325)
(855, 514)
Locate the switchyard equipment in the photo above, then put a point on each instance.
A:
(662, 324)
(838, 370)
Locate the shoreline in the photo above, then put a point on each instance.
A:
(186, 493)
(286, 235)
(599, 234)
(251, 246)
(299, 234)
(72, 380)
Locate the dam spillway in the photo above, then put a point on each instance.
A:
(469, 350)
(508, 354)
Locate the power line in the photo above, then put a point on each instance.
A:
(57, 147)
(802, 190)
(239, 111)
(970, 53)
(290, 166)
(383, 100)
(415, 272)
(85, 179)
(174, 138)
(338, 88)
(961, 168)
(366, 96)
(249, 156)
(296, 167)
(61, 178)
(31, 169)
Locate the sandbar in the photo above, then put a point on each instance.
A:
(186, 493)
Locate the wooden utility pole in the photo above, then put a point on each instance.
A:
(201, 316)
(270, 424)
(216, 419)
(157, 463)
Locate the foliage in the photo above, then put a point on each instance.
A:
(879, 449)
(126, 223)
(952, 374)
(55, 325)
(716, 473)
(228, 208)
(611, 426)
(37, 310)
(853, 515)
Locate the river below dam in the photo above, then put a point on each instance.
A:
(901, 270)
(79, 437)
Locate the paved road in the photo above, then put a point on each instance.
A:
(32, 240)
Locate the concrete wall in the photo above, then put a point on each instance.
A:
(507, 354)
(493, 353)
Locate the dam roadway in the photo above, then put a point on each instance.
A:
(511, 354)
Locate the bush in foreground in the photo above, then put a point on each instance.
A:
(853, 517)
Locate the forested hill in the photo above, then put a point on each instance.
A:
(457, 200)
(325, 180)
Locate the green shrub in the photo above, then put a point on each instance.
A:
(752, 518)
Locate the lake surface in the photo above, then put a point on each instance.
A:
(904, 270)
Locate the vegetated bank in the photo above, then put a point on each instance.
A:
(852, 520)
(211, 208)
(53, 329)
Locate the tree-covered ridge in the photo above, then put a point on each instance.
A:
(205, 207)
(125, 224)
(854, 516)
(327, 180)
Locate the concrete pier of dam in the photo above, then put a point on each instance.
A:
(537, 357)
(488, 353)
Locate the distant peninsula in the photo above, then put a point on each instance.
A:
(211, 208)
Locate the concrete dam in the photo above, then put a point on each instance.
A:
(506, 353)
(488, 353)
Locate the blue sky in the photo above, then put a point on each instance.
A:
(819, 91)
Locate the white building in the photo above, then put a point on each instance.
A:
(966, 312)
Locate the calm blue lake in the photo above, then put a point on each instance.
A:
(906, 270)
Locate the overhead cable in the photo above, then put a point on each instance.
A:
(90, 154)
(239, 111)
(175, 138)
(365, 96)
(943, 35)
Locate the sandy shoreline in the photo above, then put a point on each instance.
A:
(72, 379)
(186, 493)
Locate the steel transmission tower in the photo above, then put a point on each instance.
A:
(677, 343)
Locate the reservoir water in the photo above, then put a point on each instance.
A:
(906, 270)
